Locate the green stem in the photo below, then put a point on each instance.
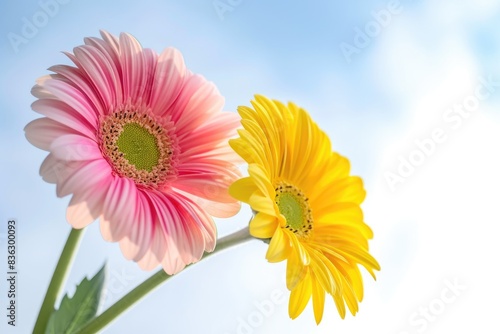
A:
(98, 323)
(58, 279)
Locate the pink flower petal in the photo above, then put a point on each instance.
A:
(216, 209)
(86, 204)
(133, 66)
(74, 98)
(79, 213)
(165, 226)
(78, 78)
(120, 207)
(192, 243)
(51, 168)
(213, 134)
(78, 175)
(200, 217)
(72, 147)
(155, 253)
(135, 245)
(168, 80)
(64, 114)
(146, 87)
(106, 229)
(42, 131)
(39, 91)
(109, 50)
(113, 45)
(208, 179)
(199, 100)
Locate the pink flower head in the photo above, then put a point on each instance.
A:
(141, 143)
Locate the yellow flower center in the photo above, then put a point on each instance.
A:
(294, 206)
(138, 147)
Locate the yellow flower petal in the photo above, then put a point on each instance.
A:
(279, 246)
(300, 250)
(243, 189)
(322, 273)
(295, 271)
(245, 151)
(261, 180)
(263, 226)
(349, 189)
(354, 275)
(350, 299)
(262, 204)
(360, 256)
(318, 294)
(261, 154)
(299, 297)
(339, 303)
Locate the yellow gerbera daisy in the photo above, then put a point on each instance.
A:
(306, 203)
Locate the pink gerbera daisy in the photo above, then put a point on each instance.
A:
(141, 143)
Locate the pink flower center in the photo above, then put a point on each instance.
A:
(139, 146)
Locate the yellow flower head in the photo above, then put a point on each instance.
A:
(307, 204)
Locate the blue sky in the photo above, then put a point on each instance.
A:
(435, 227)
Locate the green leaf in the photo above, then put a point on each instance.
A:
(74, 312)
